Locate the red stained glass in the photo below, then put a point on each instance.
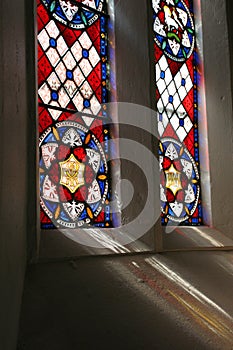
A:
(72, 73)
(177, 63)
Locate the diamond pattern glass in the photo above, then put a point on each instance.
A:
(176, 76)
(72, 80)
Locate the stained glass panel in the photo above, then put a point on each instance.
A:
(72, 79)
(176, 75)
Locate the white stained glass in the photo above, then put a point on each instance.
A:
(76, 50)
(85, 66)
(94, 58)
(177, 208)
(69, 9)
(69, 61)
(188, 124)
(174, 46)
(159, 27)
(63, 98)
(171, 89)
(87, 120)
(86, 90)
(78, 101)
(52, 29)
(70, 88)
(94, 194)
(181, 133)
(181, 111)
(155, 4)
(50, 190)
(78, 76)
(175, 122)
(176, 101)
(61, 46)
(182, 92)
(43, 39)
(95, 105)
(160, 128)
(162, 194)
(185, 39)
(161, 86)
(54, 113)
(85, 41)
(90, 3)
(163, 63)
(44, 93)
(165, 120)
(165, 97)
(187, 168)
(160, 106)
(188, 83)
(184, 71)
(61, 71)
(189, 195)
(53, 81)
(169, 110)
(53, 56)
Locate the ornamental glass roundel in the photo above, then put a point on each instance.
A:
(174, 28)
(179, 186)
(71, 14)
(73, 175)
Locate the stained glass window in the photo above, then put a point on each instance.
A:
(177, 67)
(72, 92)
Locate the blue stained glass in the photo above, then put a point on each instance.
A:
(52, 42)
(51, 206)
(86, 103)
(101, 184)
(94, 207)
(69, 74)
(80, 17)
(170, 99)
(50, 138)
(65, 139)
(54, 95)
(101, 168)
(64, 216)
(162, 75)
(83, 215)
(85, 53)
(181, 122)
(93, 144)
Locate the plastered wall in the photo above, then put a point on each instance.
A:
(13, 168)
(219, 111)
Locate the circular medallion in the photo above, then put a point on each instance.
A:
(179, 186)
(70, 13)
(174, 29)
(73, 175)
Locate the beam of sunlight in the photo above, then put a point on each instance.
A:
(100, 237)
(190, 289)
(205, 318)
(207, 237)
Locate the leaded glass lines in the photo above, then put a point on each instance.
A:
(176, 75)
(72, 91)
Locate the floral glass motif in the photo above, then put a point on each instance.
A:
(177, 76)
(72, 92)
